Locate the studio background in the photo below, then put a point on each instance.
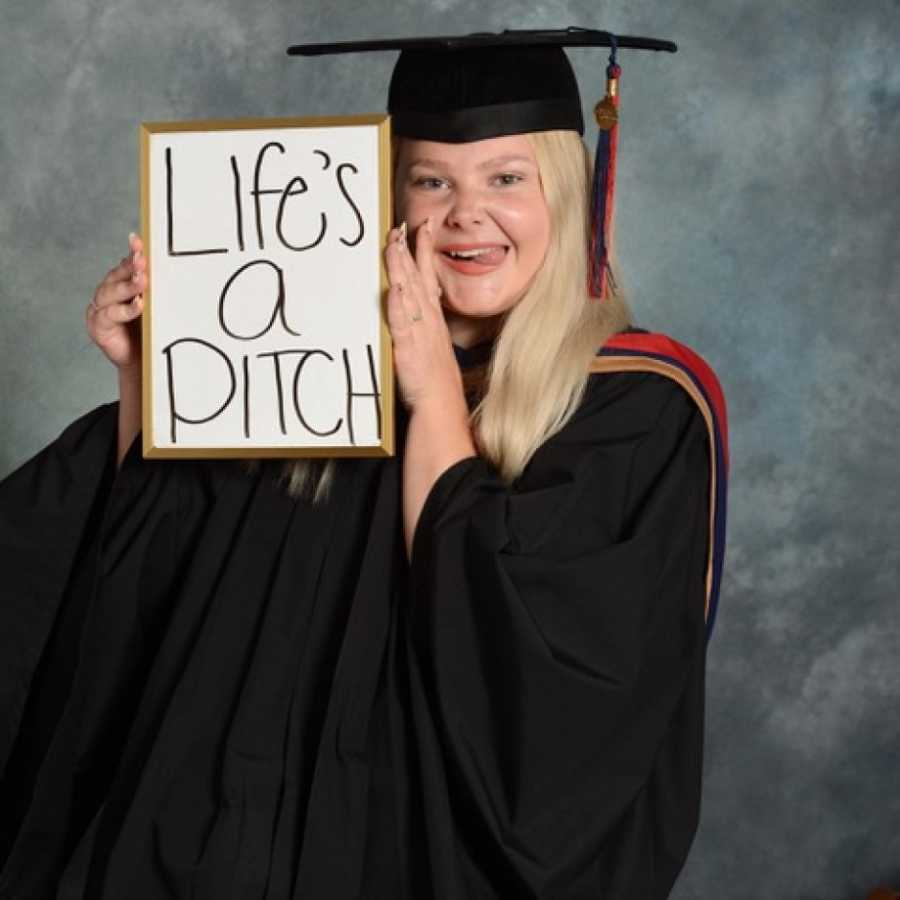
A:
(757, 222)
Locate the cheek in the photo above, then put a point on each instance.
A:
(414, 207)
(528, 226)
(401, 204)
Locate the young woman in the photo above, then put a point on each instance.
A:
(473, 670)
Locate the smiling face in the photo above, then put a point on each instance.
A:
(490, 222)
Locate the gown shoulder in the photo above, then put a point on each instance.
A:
(556, 650)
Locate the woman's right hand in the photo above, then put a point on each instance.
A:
(113, 313)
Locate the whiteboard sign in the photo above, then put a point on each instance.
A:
(263, 327)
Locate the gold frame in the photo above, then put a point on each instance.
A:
(386, 448)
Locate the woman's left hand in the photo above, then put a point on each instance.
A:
(426, 367)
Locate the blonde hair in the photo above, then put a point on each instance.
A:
(538, 371)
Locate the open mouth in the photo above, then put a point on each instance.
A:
(473, 259)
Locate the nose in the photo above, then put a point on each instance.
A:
(467, 207)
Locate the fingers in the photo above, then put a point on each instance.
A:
(129, 265)
(425, 262)
(415, 270)
(117, 313)
(122, 272)
(126, 280)
(137, 258)
(112, 292)
(399, 320)
(411, 277)
(405, 292)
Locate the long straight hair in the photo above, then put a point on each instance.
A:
(538, 369)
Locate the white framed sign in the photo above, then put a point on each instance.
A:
(264, 332)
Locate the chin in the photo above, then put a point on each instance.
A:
(478, 307)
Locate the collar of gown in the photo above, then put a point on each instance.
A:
(472, 356)
(479, 353)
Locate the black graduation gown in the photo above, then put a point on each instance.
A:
(210, 690)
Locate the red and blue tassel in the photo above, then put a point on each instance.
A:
(606, 113)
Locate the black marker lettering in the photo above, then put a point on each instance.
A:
(278, 221)
(279, 303)
(300, 415)
(276, 361)
(170, 216)
(257, 192)
(353, 206)
(374, 393)
(174, 415)
(246, 397)
(304, 355)
(238, 206)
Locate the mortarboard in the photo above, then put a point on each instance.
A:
(470, 87)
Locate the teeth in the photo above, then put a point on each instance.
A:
(470, 254)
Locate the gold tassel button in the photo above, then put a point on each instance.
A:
(606, 114)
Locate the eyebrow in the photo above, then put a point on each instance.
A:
(487, 164)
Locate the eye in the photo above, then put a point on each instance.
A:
(428, 182)
(509, 178)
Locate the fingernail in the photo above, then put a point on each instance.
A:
(428, 226)
(131, 236)
(402, 238)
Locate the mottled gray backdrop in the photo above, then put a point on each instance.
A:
(758, 222)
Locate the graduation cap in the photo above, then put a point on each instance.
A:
(470, 87)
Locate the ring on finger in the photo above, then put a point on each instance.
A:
(415, 317)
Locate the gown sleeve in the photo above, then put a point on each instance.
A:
(49, 513)
(556, 648)
(90, 552)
